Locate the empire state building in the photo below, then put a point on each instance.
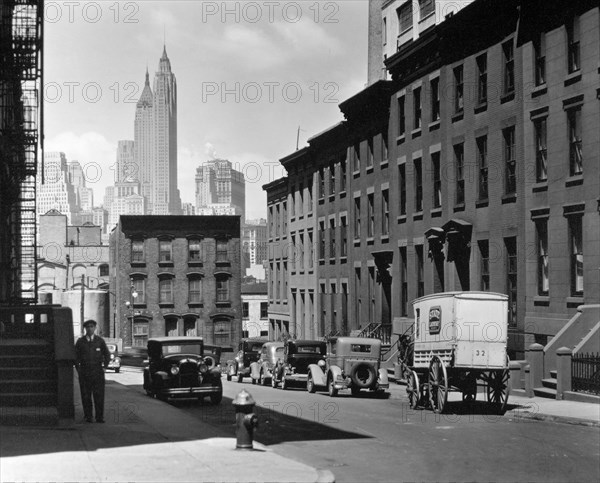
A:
(155, 151)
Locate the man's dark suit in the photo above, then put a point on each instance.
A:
(92, 358)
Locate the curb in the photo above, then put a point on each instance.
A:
(555, 419)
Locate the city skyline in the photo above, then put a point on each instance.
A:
(244, 90)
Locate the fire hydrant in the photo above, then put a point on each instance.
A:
(245, 419)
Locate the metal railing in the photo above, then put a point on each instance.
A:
(377, 331)
(585, 373)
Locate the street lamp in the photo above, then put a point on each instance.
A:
(129, 303)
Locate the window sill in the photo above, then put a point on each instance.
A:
(384, 239)
(575, 180)
(196, 305)
(343, 194)
(223, 303)
(572, 78)
(138, 264)
(436, 212)
(574, 301)
(300, 217)
(166, 305)
(459, 207)
(418, 216)
(541, 300)
(369, 169)
(140, 305)
(401, 219)
(459, 116)
(370, 240)
(482, 107)
(509, 198)
(165, 264)
(222, 263)
(483, 203)
(344, 259)
(332, 261)
(331, 198)
(384, 164)
(356, 173)
(309, 214)
(292, 219)
(400, 139)
(322, 200)
(539, 90)
(195, 263)
(321, 261)
(357, 242)
(509, 96)
(434, 126)
(416, 133)
(539, 187)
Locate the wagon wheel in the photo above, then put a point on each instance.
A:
(438, 384)
(413, 389)
(469, 388)
(498, 390)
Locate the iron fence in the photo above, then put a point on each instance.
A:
(585, 373)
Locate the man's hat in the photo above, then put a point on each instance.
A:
(89, 322)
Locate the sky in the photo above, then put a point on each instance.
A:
(249, 75)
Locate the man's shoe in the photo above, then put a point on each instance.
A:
(99, 420)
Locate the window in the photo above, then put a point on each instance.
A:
(165, 288)
(484, 265)
(458, 89)
(222, 250)
(426, 7)
(404, 282)
(300, 203)
(321, 182)
(311, 253)
(277, 219)
(509, 66)
(140, 334)
(435, 99)
(384, 30)
(510, 162)
(576, 251)
(573, 40)
(103, 270)
(343, 237)
(343, 163)
(222, 332)
(356, 151)
(420, 280)
(482, 78)
(222, 288)
(371, 294)
(539, 48)
(321, 240)
(300, 251)
(575, 142)
(357, 218)
(405, 16)
(139, 286)
(370, 154)
(402, 179)
(541, 227)
(384, 147)
(401, 116)
(418, 185)
(357, 299)
(437, 180)
(459, 161)
(482, 163)
(137, 250)
(385, 212)
(271, 222)
(264, 310)
(541, 150)
(195, 290)
(332, 238)
(310, 195)
(511, 278)
(194, 253)
(189, 327)
(331, 179)
(293, 248)
(370, 215)
(417, 108)
(284, 218)
(164, 251)
(245, 310)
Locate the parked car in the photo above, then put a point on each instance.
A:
(248, 352)
(262, 370)
(298, 355)
(115, 361)
(177, 368)
(351, 362)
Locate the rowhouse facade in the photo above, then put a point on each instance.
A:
(177, 276)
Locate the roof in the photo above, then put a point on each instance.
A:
(206, 225)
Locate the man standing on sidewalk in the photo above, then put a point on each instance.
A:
(92, 357)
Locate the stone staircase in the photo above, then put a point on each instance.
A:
(548, 389)
(28, 382)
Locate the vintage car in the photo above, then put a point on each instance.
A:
(115, 361)
(351, 362)
(177, 368)
(298, 356)
(248, 352)
(262, 370)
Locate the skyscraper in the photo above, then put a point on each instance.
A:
(219, 187)
(144, 141)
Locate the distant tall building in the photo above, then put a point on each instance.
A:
(56, 192)
(127, 169)
(144, 148)
(84, 195)
(188, 209)
(220, 188)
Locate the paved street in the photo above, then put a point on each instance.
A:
(375, 439)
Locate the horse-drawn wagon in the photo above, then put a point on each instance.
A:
(457, 343)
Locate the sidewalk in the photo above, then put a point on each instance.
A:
(536, 408)
(143, 440)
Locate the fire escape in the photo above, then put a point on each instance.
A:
(20, 144)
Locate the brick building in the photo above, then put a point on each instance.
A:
(440, 176)
(185, 274)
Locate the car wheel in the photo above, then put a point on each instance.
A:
(310, 384)
(333, 392)
(118, 369)
(216, 397)
(363, 375)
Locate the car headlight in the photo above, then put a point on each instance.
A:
(174, 370)
(321, 363)
(118, 360)
(203, 368)
(112, 356)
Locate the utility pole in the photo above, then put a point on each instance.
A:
(82, 298)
